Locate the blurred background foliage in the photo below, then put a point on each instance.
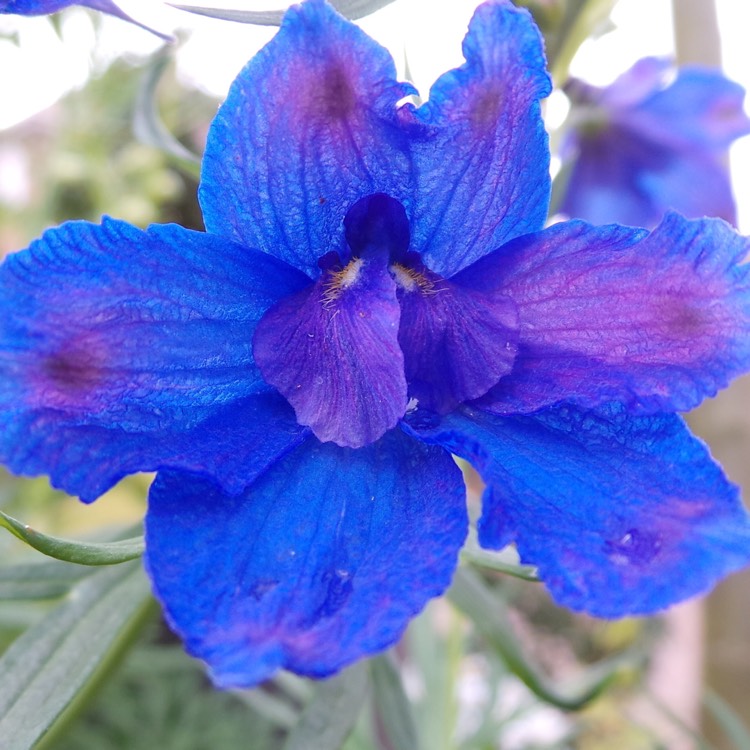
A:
(449, 683)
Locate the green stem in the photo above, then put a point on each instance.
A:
(696, 32)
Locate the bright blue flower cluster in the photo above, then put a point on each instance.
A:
(649, 143)
(375, 292)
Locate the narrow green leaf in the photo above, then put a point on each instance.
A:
(46, 580)
(332, 713)
(736, 730)
(472, 596)
(84, 553)
(393, 705)
(352, 9)
(148, 125)
(47, 667)
(499, 562)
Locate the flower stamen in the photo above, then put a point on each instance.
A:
(340, 280)
(411, 280)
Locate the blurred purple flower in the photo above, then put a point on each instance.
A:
(650, 142)
(45, 7)
(373, 293)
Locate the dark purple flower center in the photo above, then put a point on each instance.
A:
(379, 327)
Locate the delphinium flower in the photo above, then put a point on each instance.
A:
(652, 141)
(374, 293)
(45, 7)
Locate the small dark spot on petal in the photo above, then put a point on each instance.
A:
(486, 107)
(71, 370)
(339, 583)
(634, 547)
(336, 97)
(261, 587)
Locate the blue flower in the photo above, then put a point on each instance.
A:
(374, 292)
(45, 7)
(644, 145)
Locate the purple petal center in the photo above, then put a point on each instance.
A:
(332, 349)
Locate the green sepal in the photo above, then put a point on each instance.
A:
(83, 553)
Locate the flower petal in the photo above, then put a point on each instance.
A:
(323, 561)
(332, 350)
(114, 341)
(457, 342)
(483, 162)
(701, 108)
(659, 321)
(622, 515)
(308, 128)
(618, 176)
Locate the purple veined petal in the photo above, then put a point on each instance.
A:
(332, 351)
(618, 176)
(115, 341)
(309, 127)
(324, 560)
(658, 321)
(457, 342)
(483, 161)
(622, 515)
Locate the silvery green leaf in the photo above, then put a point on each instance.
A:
(48, 666)
(148, 125)
(44, 580)
(352, 9)
(83, 553)
(332, 712)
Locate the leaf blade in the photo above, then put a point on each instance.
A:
(352, 9)
(46, 668)
(83, 553)
(332, 713)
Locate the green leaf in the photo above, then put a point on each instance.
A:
(352, 9)
(46, 580)
(46, 669)
(393, 706)
(148, 125)
(476, 600)
(84, 553)
(502, 562)
(332, 713)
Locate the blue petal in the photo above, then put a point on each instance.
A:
(309, 127)
(34, 7)
(622, 515)
(483, 162)
(659, 321)
(325, 559)
(457, 342)
(113, 341)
